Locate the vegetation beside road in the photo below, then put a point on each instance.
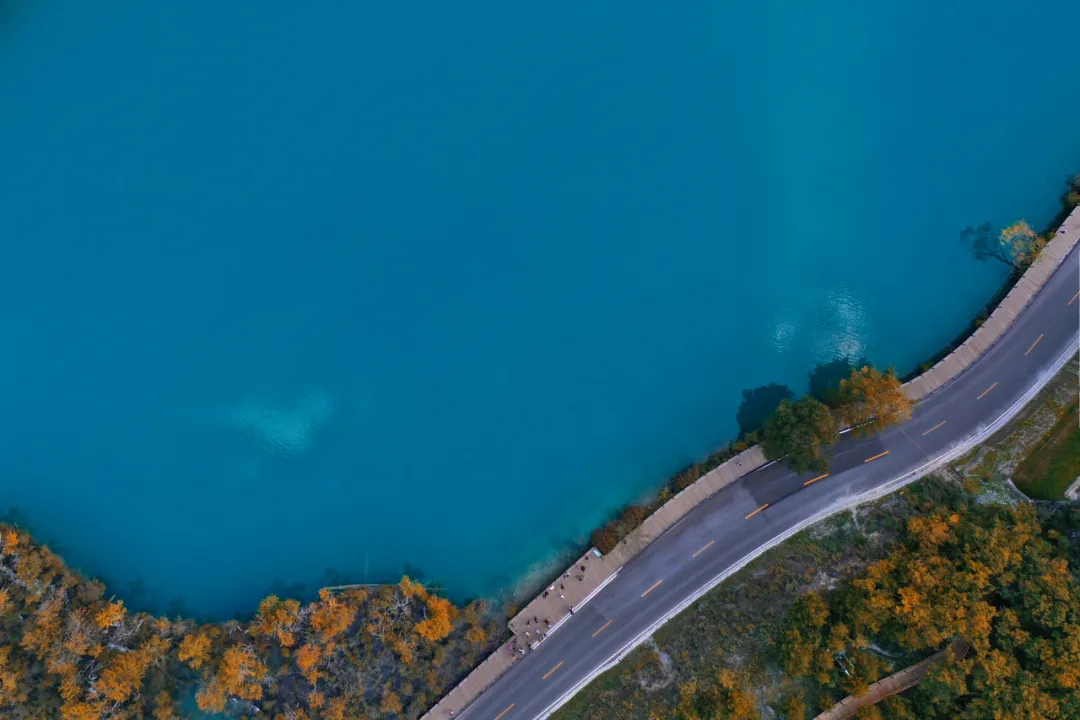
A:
(800, 432)
(838, 607)
(745, 628)
(1051, 467)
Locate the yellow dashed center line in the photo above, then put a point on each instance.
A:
(814, 480)
(1034, 344)
(986, 391)
(652, 588)
(757, 511)
(505, 711)
(603, 628)
(935, 427)
(549, 673)
(1074, 298)
(872, 459)
(703, 549)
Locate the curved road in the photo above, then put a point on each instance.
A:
(756, 509)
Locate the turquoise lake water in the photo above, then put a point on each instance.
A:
(374, 286)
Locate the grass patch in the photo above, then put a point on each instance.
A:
(1054, 463)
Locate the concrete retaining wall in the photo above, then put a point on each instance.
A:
(1002, 318)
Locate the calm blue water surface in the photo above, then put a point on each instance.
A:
(361, 285)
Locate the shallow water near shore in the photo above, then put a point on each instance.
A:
(295, 296)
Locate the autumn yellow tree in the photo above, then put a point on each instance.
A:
(9, 541)
(195, 650)
(333, 614)
(439, 621)
(164, 707)
(307, 658)
(1021, 244)
(241, 673)
(110, 615)
(211, 697)
(872, 400)
(476, 635)
(79, 710)
(1016, 246)
(277, 618)
(13, 687)
(391, 702)
(123, 675)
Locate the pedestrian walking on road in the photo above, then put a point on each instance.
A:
(561, 596)
(571, 609)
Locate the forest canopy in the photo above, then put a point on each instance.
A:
(69, 651)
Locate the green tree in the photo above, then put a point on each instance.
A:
(800, 432)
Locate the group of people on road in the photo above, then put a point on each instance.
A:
(535, 634)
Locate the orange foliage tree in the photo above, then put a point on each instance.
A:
(872, 400)
(123, 675)
(277, 618)
(72, 654)
(333, 614)
(194, 650)
(110, 615)
(439, 621)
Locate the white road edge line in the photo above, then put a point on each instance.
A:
(889, 487)
(587, 598)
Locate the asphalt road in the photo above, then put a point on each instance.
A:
(732, 523)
